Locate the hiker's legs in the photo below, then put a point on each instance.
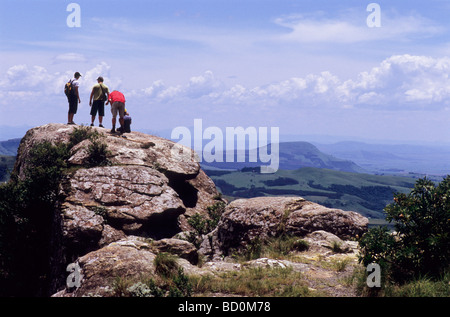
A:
(121, 110)
(122, 126)
(70, 118)
(73, 106)
(94, 108)
(101, 111)
(114, 115)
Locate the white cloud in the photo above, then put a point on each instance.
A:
(197, 87)
(89, 78)
(352, 28)
(405, 81)
(70, 57)
(22, 81)
(399, 82)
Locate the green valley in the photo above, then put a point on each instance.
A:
(366, 194)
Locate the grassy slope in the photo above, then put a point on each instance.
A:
(363, 193)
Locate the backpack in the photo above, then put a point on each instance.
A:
(103, 97)
(69, 89)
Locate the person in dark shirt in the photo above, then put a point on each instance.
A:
(127, 122)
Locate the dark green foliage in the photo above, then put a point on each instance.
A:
(281, 181)
(165, 265)
(174, 279)
(6, 166)
(214, 212)
(98, 154)
(181, 287)
(82, 133)
(202, 225)
(26, 214)
(422, 224)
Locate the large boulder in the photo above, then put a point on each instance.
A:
(148, 187)
(257, 219)
(126, 259)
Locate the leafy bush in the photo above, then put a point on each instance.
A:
(80, 134)
(165, 265)
(202, 225)
(97, 150)
(26, 214)
(420, 246)
(98, 154)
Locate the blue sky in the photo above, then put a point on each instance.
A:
(307, 67)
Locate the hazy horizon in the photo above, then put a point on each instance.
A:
(342, 69)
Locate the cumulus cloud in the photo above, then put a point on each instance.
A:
(400, 82)
(89, 78)
(23, 80)
(397, 83)
(197, 87)
(404, 81)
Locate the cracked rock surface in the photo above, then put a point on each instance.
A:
(149, 188)
(113, 220)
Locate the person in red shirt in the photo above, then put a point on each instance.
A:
(117, 100)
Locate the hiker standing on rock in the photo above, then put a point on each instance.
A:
(100, 93)
(73, 96)
(117, 100)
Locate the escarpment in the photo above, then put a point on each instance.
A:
(123, 200)
(143, 188)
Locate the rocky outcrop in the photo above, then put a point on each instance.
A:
(147, 189)
(247, 220)
(112, 220)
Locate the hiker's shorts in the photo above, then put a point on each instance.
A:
(118, 107)
(73, 104)
(98, 105)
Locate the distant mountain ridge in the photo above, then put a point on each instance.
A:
(293, 155)
(9, 147)
(401, 158)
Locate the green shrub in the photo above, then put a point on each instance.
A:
(420, 246)
(165, 265)
(98, 153)
(182, 286)
(26, 214)
(97, 150)
(202, 225)
(82, 133)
